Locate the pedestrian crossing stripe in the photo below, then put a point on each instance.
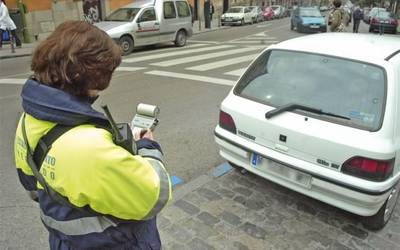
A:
(192, 77)
(223, 63)
(12, 81)
(131, 69)
(174, 53)
(255, 42)
(237, 72)
(202, 57)
(259, 38)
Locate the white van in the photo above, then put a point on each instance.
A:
(320, 115)
(149, 22)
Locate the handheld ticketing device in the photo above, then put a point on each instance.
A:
(146, 117)
(122, 133)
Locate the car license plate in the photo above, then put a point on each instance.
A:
(314, 26)
(269, 166)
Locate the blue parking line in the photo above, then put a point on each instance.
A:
(175, 180)
(222, 169)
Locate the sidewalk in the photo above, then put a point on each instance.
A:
(28, 48)
(228, 210)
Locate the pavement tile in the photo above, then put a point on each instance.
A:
(230, 218)
(180, 234)
(187, 207)
(209, 194)
(380, 243)
(304, 207)
(339, 246)
(253, 230)
(243, 191)
(355, 231)
(357, 244)
(198, 244)
(225, 192)
(208, 218)
(199, 229)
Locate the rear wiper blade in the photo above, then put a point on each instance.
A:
(293, 106)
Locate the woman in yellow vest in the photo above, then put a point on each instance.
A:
(109, 196)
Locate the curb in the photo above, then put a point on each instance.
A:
(211, 30)
(14, 56)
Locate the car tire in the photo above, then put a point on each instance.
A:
(181, 38)
(126, 43)
(242, 22)
(291, 26)
(379, 220)
(370, 29)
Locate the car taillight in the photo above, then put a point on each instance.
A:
(393, 21)
(374, 20)
(226, 122)
(374, 170)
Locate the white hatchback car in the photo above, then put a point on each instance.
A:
(237, 15)
(320, 115)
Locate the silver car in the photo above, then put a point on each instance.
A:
(149, 22)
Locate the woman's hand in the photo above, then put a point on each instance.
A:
(139, 133)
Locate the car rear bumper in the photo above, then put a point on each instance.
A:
(310, 29)
(384, 27)
(329, 186)
(231, 21)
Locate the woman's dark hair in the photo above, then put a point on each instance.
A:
(337, 3)
(75, 58)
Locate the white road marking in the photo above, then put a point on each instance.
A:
(129, 68)
(223, 63)
(174, 53)
(237, 72)
(12, 81)
(208, 42)
(202, 57)
(254, 42)
(192, 77)
(263, 25)
(259, 38)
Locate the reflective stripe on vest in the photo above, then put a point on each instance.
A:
(153, 153)
(163, 196)
(79, 226)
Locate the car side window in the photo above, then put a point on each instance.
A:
(182, 8)
(148, 15)
(169, 10)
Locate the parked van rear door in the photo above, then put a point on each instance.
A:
(148, 31)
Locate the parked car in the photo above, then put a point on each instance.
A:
(237, 15)
(321, 120)
(307, 19)
(148, 22)
(372, 13)
(279, 11)
(383, 21)
(256, 14)
(268, 13)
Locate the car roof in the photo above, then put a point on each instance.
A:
(140, 4)
(364, 47)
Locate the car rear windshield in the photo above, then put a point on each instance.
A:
(310, 13)
(235, 10)
(384, 14)
(123, 15)
(340, 86)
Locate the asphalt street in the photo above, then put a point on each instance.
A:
(188, 84)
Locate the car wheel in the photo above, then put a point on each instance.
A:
(291, 26)
(370, 29)
(379, 220)
(242, 22)
(126, 43)
(180, 39)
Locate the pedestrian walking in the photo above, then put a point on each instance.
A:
(357, 17)
(338, 18)
(6, 23)
(92, 193)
